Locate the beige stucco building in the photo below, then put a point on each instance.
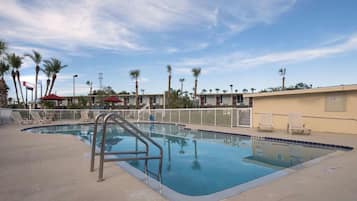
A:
(326, 109)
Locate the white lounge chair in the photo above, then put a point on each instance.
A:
(38, 119)
(84, 116)
(296, 125)
(5, 116)
(16, 116)
(266, 122)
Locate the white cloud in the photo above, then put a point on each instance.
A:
(239, 60)
(121, 25)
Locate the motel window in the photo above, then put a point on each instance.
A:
(220, 99)
(153, 99)
(140, 99)
(335, 103)
(240, 98)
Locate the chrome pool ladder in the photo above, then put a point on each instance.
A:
(132, 130)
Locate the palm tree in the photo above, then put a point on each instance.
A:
(56, 66)
(182, 80)
(282, 72)
(204, 90)
(245, 90)
(3, 47)
(236, 90)
(210, 91)
(217, 90)
(90, 84)
(169, 69)
(37, 59)
(48, 72)
(135, 76)
(15, 62)
(4, 68)
(196, 72)
(252, 89)
(231, 86)
(224, 91)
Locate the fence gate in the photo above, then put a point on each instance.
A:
(244, 117)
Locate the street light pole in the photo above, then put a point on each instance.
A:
(74, 87)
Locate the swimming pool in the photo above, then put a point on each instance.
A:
(200, 163)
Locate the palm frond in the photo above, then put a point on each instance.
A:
(169, 69)
(36, 57)
(4, 68)
(196, 72)
(3, 47)
(14, 61)
(135, 74)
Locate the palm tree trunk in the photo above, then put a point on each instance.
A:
(13, 74)
(195, 89)
(36, 81)
(169, 86)
(283, 84)
(137, 93)
(47, 86)
(90, 98)
(19, 82)
(54, 76)
(181, 87)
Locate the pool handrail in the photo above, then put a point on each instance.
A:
(94, 139)
(127, 126)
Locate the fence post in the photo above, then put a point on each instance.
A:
(232, 117)
(170, 116)
(189, 116)
(251, 117)
(201, 117)
(215, 116)
(179, 116)
(238, 118)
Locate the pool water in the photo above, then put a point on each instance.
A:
(201, 162)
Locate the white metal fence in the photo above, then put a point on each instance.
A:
(226, 117)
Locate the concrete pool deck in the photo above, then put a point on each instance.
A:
(56, 167)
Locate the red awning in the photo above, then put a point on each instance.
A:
(112, 99)
(52, 97)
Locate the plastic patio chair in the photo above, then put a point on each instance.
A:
(16, 116)
(296, 125)
(266, 122)
(38, 119)
(85, 116)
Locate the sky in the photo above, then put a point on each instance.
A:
(238, 42)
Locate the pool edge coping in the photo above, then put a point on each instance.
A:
(226, 193)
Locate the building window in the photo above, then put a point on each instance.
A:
(240, 98)
(140, 99)
(153, 99)
(335, 103)
(219, 99)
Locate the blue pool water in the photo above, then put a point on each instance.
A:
(200, 162)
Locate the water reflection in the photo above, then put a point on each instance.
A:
(277, 154)
(195, 164)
